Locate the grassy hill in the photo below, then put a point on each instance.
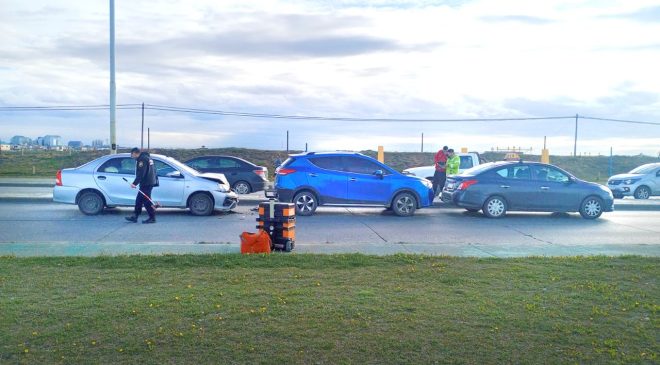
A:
(46, 163)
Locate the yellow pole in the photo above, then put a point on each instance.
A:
(464, 150)
(381, 154)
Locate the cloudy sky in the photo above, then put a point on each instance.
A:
(419, 59)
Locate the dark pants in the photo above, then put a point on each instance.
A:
(439, 179)
(140, 200)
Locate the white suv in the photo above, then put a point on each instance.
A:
(642, 182)
(468, 161)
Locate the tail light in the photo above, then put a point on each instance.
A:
(466, 184)
(58, 178)
(260, 172)
(284, 171)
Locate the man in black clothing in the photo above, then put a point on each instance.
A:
(146, 179)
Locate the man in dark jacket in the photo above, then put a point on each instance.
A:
(146, 179)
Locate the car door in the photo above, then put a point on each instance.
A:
(364, 185)
(171, 183)
(328, 179)
(558, 192)
(515, 184)
(109, 177)
(230, 168)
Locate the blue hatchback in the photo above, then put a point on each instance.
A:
(348, 179)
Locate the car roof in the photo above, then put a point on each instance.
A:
(219, 156)
(329, 153)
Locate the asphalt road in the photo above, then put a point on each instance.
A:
(39, 227)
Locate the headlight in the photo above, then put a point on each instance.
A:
(630, 181)
(428, 184)
(222, 188)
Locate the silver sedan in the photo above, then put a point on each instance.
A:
(105, 182)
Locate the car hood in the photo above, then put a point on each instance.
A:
(219, 178)
(625, 176)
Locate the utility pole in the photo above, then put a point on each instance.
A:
(422, 142)
(142, 131)
(305, 146)
(287, 141)
(575, 142)
(148, 140)
(113, 88)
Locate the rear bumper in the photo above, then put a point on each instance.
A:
(285, 195)
(461, 198)
(258, 185)
(65, 194)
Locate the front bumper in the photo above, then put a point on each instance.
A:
(622, 190)
(225, 201)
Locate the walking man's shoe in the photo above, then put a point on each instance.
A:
(150, 220)
(132, 219)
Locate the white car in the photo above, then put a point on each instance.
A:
(105, 182)
(468, 161)
(641, 182)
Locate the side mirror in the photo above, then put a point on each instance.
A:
(175, 174)
(379, 173)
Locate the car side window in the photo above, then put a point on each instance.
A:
(328, 163)
(657, 174)
(119, 165)
(162, 169)
(226, 163)
(361, 166)
(466, 162)
(522, 172)
(541, 173)
(503, 172)
(556, 175)
(201, 163)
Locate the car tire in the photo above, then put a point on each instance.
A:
(242, 187)
(495, 207)
(642, 192)
(404, 204)
(91, 203)
(472, 210)
(201, 204)
(305, 203)
(591, 207)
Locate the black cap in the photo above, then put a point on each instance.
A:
(135, 150)
(445, 148)
(450, 150)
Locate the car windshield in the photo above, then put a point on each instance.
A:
(644, 169)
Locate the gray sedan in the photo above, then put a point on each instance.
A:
(102, 183)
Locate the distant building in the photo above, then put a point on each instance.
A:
(76, 145)
(51, 141)
(39, 141)
(20, 141)
(5, 147)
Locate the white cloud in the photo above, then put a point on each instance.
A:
(413, 59)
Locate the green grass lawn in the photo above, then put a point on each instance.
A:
(328, 309)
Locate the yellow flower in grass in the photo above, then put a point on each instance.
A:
(26, 350)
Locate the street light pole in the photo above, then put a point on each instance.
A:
(113, 88)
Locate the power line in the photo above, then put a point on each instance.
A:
(175, 109)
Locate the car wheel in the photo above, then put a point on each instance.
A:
(494, 207)
(472, 210)
(90, 203)
(242, 187)
(201, 204)
(591, 208)
(642, 192)
(305, 203)
(404, 204)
